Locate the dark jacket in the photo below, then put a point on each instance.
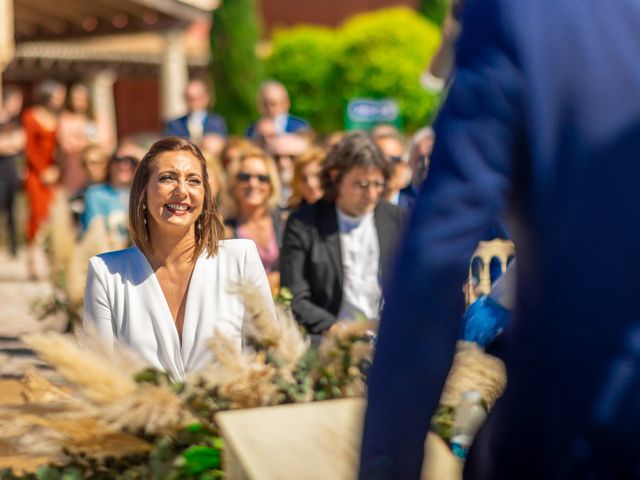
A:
(538, 120)
(311, 259)
(294, 124)
(212, 124)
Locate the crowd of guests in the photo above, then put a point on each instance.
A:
(324, 213)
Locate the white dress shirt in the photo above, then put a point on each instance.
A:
(360, 266)
(124, 301)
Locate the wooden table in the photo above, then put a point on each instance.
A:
(310, 441)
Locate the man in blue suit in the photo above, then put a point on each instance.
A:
(274, 104)
(540, 120)
(202, 127)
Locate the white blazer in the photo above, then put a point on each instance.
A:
(124, 302)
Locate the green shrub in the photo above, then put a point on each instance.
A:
(375, 55)
(303, 58)
(383, 54)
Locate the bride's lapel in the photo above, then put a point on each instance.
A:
(193, 314)
(164, 327)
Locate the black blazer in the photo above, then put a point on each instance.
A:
(311, 259)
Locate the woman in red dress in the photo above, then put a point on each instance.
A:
(40, 124)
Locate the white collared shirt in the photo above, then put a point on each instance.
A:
(360, 266)
(195, 125)
(280, 122)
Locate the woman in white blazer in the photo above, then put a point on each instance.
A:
(167, 295)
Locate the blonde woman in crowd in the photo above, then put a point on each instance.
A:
(307, 186)
(254, 187)
(166, 296)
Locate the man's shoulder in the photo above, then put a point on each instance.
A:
(311, 213)
(388, 209)
(296, 123)
(178, 120)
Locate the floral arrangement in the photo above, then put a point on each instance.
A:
(121, 419)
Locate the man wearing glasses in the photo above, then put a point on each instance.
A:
(335, 250)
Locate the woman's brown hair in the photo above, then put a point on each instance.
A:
(314, 154)
(355, 149)
(209, 228)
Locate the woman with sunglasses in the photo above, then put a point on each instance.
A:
(254, 188)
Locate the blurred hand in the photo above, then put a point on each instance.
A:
(50, 175)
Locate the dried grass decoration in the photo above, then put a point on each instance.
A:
(119, 418)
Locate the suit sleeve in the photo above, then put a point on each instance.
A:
(477, 132)
(293, 258)
(97, 315)
(171, 129)
(216, 125)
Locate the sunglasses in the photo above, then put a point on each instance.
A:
(125, 160)
(245, 177)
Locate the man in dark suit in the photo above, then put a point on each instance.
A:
(538, 119)
(274, 104)
(202, 127)
(335, 251)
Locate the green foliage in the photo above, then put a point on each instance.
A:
(303, 58)
(235, 66)
(374, 55)
(435, 10)
(382, 56)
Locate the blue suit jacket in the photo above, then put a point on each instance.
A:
(542, 117)
(294, 124)
(212, 124)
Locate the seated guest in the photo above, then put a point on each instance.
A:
(231, 148)
(335, 251)
(95, 163)
(399, 189)
(108, 202)
(273, 103)
(254, 188)
(286, 149)
(169, 294)
(202, 127)
(307, 188)
(420, 149)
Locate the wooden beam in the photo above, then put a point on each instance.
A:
(124, 6)
(174, 9)
(24, 12)
(90, 9)
(54, 8)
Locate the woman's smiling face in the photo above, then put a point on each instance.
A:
(175, 191)
(253, 186)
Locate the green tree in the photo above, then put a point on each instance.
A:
(435, 10)
(303, 58)
(235, 67)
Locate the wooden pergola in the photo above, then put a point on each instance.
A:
(101, 38)
(56, 19)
